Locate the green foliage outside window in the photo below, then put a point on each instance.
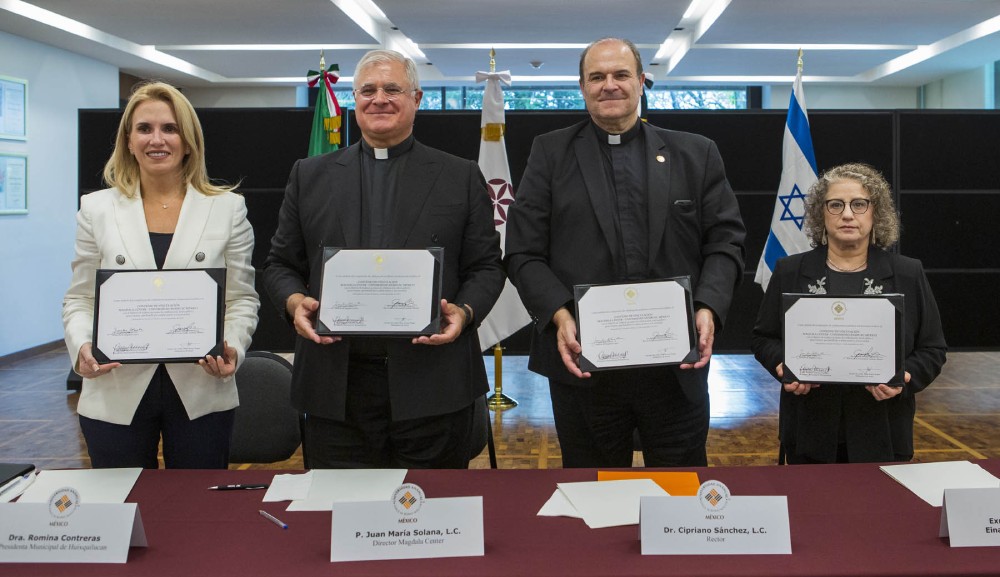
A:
(569, 98)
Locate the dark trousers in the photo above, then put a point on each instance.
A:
(596, 423)
(370, 438)
(202, 443)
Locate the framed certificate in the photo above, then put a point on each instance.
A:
(380, 292)
(158, 316)
(13, 184)
(13, 108)
(636, 324)
(851, 340)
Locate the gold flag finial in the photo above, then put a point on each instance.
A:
(800, 61)
(322, 60)
(493, 62)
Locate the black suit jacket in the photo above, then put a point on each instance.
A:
(875, 430)
(441, 201)
(560, 230)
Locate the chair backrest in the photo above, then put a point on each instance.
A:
(267, 426)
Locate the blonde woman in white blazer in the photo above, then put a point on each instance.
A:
(160, 212)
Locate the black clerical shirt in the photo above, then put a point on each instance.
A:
(380, 172)
(625, 168)
(381, 169)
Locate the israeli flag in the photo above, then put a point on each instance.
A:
(798, 174)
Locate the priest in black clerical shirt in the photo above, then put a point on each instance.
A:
(616, 200)
(387, 402)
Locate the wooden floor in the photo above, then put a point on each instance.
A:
(958, 417)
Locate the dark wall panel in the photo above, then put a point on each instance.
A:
(942, 152)
(951, 229)
(968, 305)
(949, 150)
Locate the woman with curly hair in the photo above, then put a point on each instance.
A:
(851, 221)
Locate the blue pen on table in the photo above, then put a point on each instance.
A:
(273, 519)
(237, 487)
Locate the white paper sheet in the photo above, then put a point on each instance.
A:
(93, 485)
(605, 503)
(289, 487)
(338, 485)
(559, 506)
(929, 480)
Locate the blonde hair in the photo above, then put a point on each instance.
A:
(122, 169)
(885, 223)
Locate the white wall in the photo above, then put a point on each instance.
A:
(830, 97)
(36, 249)
(972, 89)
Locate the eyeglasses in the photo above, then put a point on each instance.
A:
(392, 92)
(858, 206)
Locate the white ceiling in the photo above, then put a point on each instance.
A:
(274, 42)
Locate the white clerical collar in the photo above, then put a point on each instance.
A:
(381, 153)
(614, 139)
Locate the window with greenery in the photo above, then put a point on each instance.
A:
(569, 98)
(696, 99)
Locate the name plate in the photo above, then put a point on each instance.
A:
(380, 292)
(408, 527)
(853, 340)
(713, 523)
(158, 316)
(64, 531)
(636, 324)
(971, 517)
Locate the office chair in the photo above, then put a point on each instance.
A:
(267, 426)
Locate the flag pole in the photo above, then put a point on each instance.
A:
(498, 401)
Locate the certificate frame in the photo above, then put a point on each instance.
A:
(356, 324)
(630, 292)
(13, 183)
(125, 353)
(13, 108)
(834, 309)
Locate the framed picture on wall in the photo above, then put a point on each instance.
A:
(13, 108)
(13, 184)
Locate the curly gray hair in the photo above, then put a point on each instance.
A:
(885, 229)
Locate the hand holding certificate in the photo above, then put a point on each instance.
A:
(843, 339)
(636, 324)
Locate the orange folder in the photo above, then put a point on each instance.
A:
(679, 484)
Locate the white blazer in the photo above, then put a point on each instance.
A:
(111, 227)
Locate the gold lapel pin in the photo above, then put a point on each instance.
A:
(659, 158)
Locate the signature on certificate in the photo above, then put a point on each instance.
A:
(188, 329)
(126, 348)
(810, 355)
(814, 370)
(870, 354)
(666, 335)
(129, 332)
(613, 355)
